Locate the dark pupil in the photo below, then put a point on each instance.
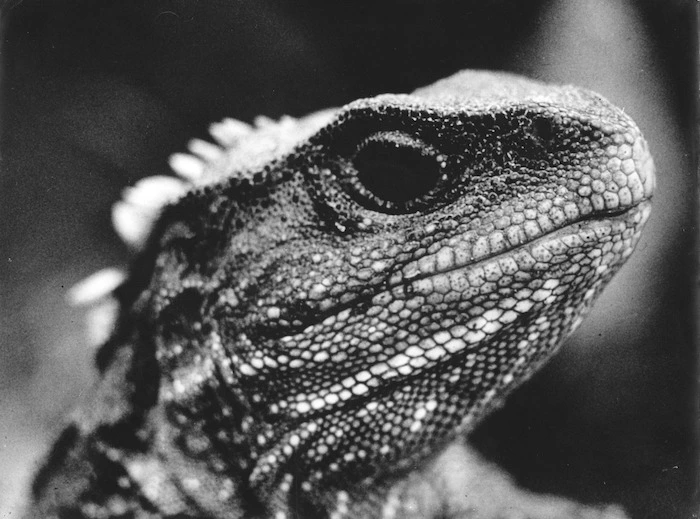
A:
(542, 128)
(396, 172)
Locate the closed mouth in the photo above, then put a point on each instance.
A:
(598, 219)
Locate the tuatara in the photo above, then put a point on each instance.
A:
(325, 307)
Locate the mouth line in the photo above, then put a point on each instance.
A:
(592, 218)
(361, 300)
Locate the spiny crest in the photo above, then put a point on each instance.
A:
(237, 149)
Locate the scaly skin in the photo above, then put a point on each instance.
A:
(313, 328)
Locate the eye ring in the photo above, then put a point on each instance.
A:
(395, 173)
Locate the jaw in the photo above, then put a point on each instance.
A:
(430, 356)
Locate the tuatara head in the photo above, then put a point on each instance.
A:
(372, 280)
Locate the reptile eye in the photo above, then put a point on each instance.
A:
(395, 172)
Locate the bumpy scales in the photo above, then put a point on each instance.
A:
(313, 326)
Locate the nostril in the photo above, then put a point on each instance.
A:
(542, 129)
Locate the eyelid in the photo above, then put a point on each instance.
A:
(399, 140)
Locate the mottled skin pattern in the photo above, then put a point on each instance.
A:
(312, 330)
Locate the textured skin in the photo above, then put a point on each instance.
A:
(300, 339)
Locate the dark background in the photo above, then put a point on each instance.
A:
(95, 95)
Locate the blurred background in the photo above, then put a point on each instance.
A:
(95, 95)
